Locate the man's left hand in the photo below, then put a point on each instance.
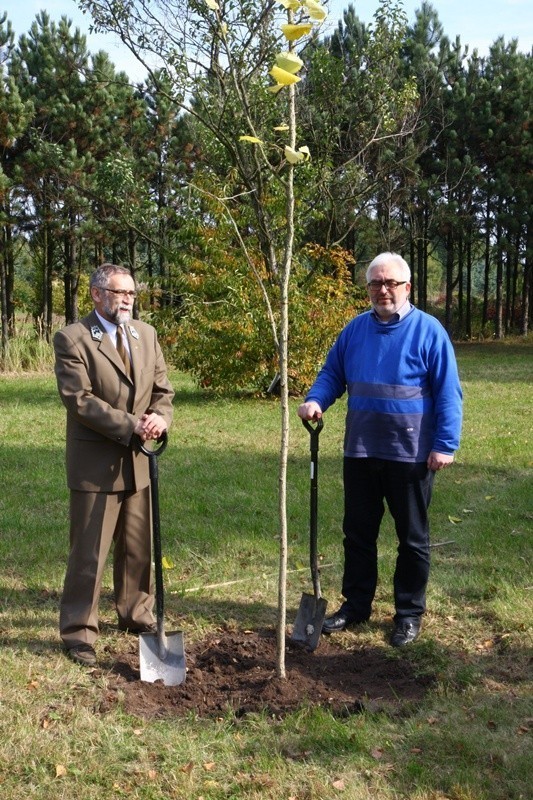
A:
(438, 461)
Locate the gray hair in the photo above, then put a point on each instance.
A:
(386, 258)
(101, 276)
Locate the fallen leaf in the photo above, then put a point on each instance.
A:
(415, 750)
(262, 779)
(339, 785)
(377, 753)
(61, 771)
(32, 685)
(209, 765)
(455, 520)
(187, 768)
(152, 774)
(489, 497)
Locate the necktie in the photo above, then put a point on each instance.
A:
(121, 350)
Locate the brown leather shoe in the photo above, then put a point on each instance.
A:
(148, 627)
(82, 654)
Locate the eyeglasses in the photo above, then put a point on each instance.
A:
(375, 286)
(122, 292)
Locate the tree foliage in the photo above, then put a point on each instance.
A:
(223, 337)
(92, 167)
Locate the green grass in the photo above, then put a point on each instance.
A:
(470, 739)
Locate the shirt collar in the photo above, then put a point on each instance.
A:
(400, 314)
(109, 327)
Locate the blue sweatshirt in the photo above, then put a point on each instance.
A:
(404, 395)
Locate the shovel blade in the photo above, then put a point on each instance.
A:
(171, 668)
(308, 624)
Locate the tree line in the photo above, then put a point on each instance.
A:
(415, 144)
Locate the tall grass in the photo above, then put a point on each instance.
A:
(26, 352)
(468, 740)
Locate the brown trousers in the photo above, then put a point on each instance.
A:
(97, 520)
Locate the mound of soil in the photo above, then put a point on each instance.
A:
(235, 670)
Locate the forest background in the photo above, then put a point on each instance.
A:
(416, 145)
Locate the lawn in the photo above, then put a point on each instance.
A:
(470, 737)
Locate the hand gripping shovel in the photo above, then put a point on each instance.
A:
(161, 657)
(308, 624)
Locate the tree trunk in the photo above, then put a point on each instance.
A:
(460, 280)
(284, 277)
(499, 284)
(7, 281)
(424, 245)
(527, 286)
(449, 280)
(3, 293)
(486, 281)
(71, 277)
(468, 323)
(413, 261)
(515, 279)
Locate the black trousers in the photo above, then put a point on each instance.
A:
(406, 488)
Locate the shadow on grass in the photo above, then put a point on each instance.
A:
(30, 390)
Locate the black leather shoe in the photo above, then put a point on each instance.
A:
(82, 654)
(340, 621)
(405, 632)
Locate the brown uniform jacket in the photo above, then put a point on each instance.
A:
(103, 404)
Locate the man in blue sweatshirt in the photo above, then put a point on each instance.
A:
(403, 424)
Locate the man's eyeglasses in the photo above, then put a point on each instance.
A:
(375, 286)
(122, 292)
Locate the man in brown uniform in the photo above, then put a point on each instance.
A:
(112, 379)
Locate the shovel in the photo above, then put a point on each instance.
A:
(308, 624)
(161, 656)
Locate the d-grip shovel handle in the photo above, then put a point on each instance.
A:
(314, 432)
(156, 451)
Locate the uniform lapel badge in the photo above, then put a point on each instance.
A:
(96, 333)
(133, 332)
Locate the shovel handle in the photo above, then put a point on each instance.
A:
(314, 431)
(153, 454)
(156, 451)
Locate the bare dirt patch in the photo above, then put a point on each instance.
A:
(235, 671)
